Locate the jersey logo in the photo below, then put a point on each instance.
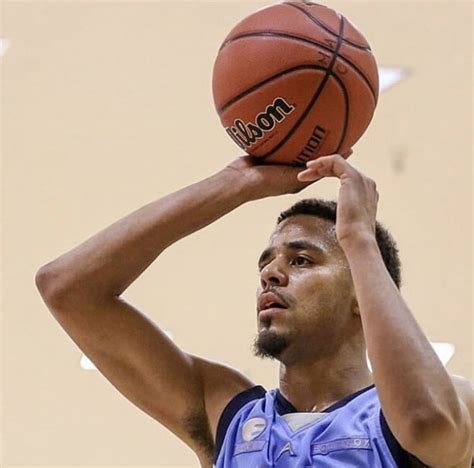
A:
(287, 448)
(341, 444)
(253, 428)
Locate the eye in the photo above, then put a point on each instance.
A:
(300, 261)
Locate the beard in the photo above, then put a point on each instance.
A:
(269, 344)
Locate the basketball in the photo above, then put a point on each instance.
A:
(295, 81)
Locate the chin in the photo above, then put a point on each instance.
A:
(269, 343)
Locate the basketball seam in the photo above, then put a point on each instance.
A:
(324, 26)
(266, 81)
(313, 101)
(346, 109)
(307, 41)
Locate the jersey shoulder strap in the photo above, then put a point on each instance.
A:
(234, 405)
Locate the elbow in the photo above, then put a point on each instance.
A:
(44, 279)
(51, 286)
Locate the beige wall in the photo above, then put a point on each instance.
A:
(107, 106)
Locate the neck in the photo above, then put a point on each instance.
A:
(316, 385)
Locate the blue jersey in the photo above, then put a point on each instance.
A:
(260, 429)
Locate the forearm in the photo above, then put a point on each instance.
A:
(411, 381)
(108, 262)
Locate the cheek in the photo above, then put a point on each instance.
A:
(321, 290)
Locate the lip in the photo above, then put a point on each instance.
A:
(272, 312)
(268, 298)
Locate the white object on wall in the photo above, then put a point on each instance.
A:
(4, 45)
(390, 76)
(445, 352)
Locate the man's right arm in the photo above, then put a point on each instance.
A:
(82, 289)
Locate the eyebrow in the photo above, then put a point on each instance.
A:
(293, 245)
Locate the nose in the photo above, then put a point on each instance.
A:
(273, 274)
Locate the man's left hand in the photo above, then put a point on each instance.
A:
(358, 197)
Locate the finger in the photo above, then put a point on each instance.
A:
(333, 165)
(345, 155)
(315, 162)
(308, 175)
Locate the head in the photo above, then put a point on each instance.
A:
(307, 269)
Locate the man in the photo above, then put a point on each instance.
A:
(325, 294)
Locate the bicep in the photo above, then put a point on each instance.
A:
(140, 361)
(183, 392)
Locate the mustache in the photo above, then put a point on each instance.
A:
(284, 297)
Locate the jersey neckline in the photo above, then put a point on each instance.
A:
(283, 406)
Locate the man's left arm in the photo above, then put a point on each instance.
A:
(419, 401)
(424, 411)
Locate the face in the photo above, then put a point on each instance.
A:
(306, 268)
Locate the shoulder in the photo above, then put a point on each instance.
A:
(463, 386)
(465, 391)
(241, 405)
(221, 384)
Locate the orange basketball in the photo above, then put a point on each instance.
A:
(295, 81)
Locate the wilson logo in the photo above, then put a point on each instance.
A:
(313, 144)
(246, 134)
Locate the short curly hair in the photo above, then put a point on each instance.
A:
(327, 209)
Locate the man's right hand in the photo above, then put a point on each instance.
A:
(268, 180)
